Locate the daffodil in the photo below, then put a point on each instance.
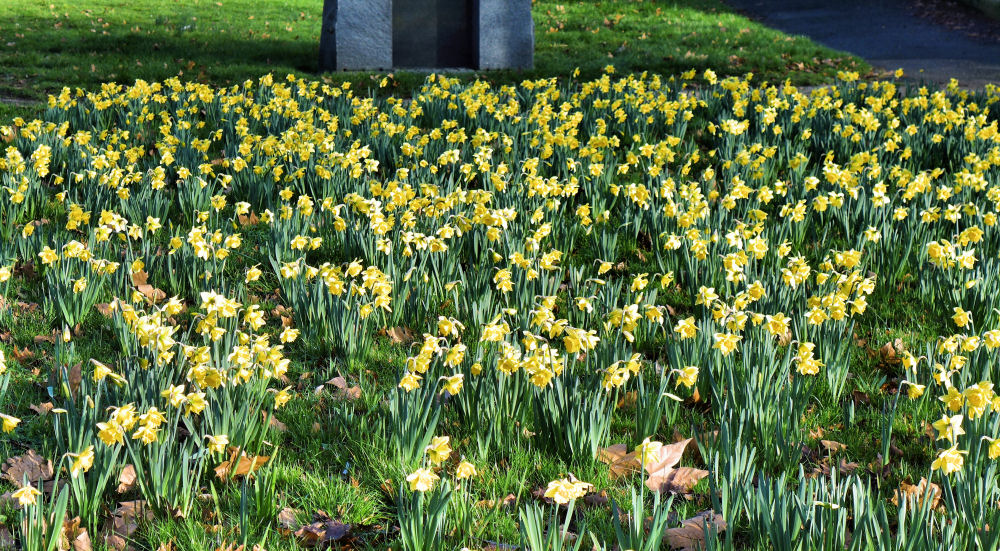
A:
(217, 443)
(439, 449)
(422, 480)
(949, 460)
(82, 462)
(465, 470)
(26, 495)
(8, 423)
(564, 490)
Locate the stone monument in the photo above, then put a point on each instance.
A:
(379, 35)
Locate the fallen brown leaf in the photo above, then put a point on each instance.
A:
(74, 536)
(31, 465)
(126, 480)
(41, 409)
(679, 481)
(278, 425)
(691, 534)
(107, 309)
(348, 394)
(246, 465)
(139, 279)
(890, 351)
(322, 531)
(74, 378)
(124, 522)
(287, 522)
(860, 397)
(663, 477)
(619, 459)
(248, 219)
(832, 446)
(628, 400)
(596, 500)
(508, 501)
(918, 492)
(22, 356)
(399, 335)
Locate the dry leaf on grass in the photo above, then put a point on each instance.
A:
(232, 546)
(679, 481)
(399, 335)
(832, 446)
(277, 425)
(823, 469)
(322, 531)
(126, 480)
(619, 459)
(74, 378)
(245, 466)
(668, 456)
(248, 219)
(341, 391)
(107, 309)
(691, 534)
(124, 522)
(509, 501)
(918, 492)
(41, 409)
(628, 400)
(348, 394)
(74, 537)
(22, 356)
(663, 477)
(287, 522)
(31, 465)
(596, 500)
(891, 352)
(152, 293)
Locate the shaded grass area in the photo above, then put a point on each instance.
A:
(47, 45)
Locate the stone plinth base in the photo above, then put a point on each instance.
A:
(379, 35)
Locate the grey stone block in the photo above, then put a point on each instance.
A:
(433, 34)
(356, 35)
(382, 34)
(506, 34)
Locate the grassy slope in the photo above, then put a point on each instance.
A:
(47, 45)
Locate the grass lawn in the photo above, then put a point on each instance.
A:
(47, 45)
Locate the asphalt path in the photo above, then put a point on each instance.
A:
(886, 33)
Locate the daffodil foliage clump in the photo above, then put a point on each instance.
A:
(630, 313)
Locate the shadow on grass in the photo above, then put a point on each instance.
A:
(44, 47)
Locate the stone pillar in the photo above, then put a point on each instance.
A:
(378, 35)
(356, 35)
(506, 34)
